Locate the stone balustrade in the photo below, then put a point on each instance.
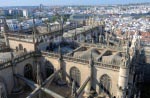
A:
(83, 61)
(3, 48)
(102, 46)
(5, 64)
(24, 56)
(17, 59)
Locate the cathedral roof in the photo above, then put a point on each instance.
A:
(87, 54)
(112, 59)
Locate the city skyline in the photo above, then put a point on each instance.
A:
(70, 2)
(74, 49)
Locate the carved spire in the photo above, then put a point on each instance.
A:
(21, 28)
(75, 35)
(127, 50)
(139, 43)
(91, 62)
(100, 37)
(119, 43)
(62, 24)
(60, 53)
(34, 35)
(33, 24)
(107, 38)
(48, 28)
(12, 57)
(126, 58)
(34, 29)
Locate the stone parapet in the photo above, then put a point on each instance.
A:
(17, 59)
(83, 61)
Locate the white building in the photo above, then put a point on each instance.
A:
(25, 13)
(13, 24)
(29, 23)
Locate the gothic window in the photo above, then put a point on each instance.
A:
(75, 75)
(28, 72)
(49, 69)
(105, 84)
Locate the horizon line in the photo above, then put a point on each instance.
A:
(78, 4)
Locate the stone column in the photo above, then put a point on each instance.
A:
(61, 66)
(39, 80)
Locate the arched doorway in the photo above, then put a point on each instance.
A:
(49, 68)
(28, 72)
(75, 75)
(105, 84)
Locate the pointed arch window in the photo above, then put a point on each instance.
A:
(75, 75)
(105, 84)
(28, 72)
(49, 68)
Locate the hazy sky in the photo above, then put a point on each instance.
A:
(66, 2)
